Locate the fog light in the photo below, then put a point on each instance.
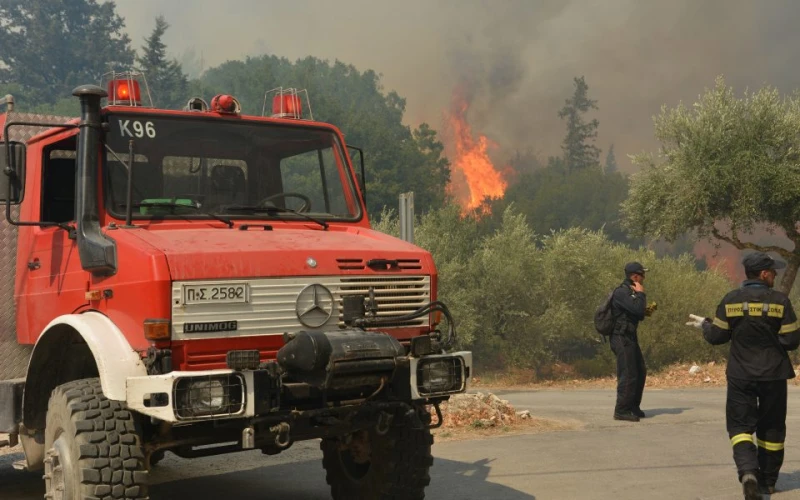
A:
(440, 376)
(208, 396)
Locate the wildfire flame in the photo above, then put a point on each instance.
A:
(725, 257)
(729, 258)
(474, 176)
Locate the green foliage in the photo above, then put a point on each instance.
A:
(48, 47)
(579, 153)
(398, 159)
(604, 364)
(165, 78)
(552, 199)
(726, 165)
(525, 300)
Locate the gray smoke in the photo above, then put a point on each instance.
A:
(515, 59)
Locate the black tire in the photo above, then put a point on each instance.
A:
(398, 467)
(93, 450)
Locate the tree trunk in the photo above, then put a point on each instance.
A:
(789, 275)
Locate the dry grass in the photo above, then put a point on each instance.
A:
(533, 425)
(675, 377)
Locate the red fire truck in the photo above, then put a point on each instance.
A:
(205, 282)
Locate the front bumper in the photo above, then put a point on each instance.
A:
(196, 396)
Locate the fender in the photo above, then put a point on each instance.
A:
(60, 356)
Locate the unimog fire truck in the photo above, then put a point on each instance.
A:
(205, 282)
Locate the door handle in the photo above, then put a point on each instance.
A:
(34, 264)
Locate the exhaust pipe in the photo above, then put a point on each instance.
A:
(97, 252)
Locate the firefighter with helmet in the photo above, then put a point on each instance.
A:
(761, 326)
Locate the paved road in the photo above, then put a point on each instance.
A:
(680, 452)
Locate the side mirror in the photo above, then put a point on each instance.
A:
(12, 171)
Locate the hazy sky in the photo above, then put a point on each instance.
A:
(517, 58)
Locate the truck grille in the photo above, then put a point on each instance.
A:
(395, 296)
(271, 309)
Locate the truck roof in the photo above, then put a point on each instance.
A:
(24, 133)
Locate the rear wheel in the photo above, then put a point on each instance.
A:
(93, 449)
(370, 465)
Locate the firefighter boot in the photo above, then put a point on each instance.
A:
(625, 415)
(750, 487)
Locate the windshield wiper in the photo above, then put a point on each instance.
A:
(172, 204)
(256, 209)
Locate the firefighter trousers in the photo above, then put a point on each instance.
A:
(760, 408)
(631, 372)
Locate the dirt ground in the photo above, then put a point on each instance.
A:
(482, 414)
(675, 377)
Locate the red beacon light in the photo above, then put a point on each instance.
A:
(287, 103)
(124, 92)
(226, 104)
(287, 106)
(125, 88)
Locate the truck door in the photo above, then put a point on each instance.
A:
(55, 283)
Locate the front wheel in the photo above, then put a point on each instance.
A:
(369, 464)
(93, 449)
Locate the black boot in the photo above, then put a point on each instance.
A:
(638, 412)
(750, 487)
(625, 415)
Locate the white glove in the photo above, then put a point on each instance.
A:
(696, 321)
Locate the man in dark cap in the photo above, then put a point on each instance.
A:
(761, 326)
(629, 307)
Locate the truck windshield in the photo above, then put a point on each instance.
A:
(190, 167)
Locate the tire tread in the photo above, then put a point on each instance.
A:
(109, 456)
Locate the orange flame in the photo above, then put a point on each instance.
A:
(474, 177)
(730, 258)
(725, 257)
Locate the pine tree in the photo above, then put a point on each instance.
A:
(611, 161)
(165, 78)
(579, 152)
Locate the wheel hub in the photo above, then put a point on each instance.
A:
(57, 483)
(355, 453)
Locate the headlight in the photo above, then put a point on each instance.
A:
(206, 396)
(440, 376)
(218, 396)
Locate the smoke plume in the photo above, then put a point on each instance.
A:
(517, 58)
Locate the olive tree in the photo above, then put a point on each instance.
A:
(726, 166)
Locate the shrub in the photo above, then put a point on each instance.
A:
(525, 300)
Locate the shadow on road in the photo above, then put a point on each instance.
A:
(665, 411)
(299, 481)
(16, 485)
(306, 481)
(788, 482)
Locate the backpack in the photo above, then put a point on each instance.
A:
(604, 318)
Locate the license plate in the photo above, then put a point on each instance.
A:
(238, 293)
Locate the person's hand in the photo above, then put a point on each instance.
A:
(696, 321)
(637, 287)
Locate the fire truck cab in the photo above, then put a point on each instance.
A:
(205, 282)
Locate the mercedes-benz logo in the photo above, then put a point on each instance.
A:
(314, 305)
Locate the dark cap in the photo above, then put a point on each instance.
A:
(634, 268)
(759, 261)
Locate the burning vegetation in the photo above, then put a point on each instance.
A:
(474, 176)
